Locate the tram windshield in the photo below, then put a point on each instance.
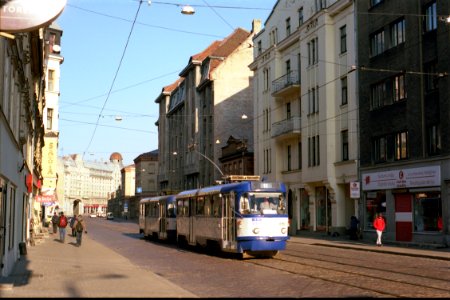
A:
(262, 203)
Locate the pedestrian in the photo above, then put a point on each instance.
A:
(80, 226)
(55, 220)
(379, 224)
(353, 228)
(72, 225)
(62, 224)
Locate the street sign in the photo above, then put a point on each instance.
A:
(354, 189)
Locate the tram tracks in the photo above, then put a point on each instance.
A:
(376, 281)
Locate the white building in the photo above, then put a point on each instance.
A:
(305, 109)
(88, 185)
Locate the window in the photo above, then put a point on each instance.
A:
(434, 140)
(273, 37)
(49, 118)
(320, 4)
(397, 33)
(380, 149)
(51, 80)
(289, 158)
(427, 212)
(299, 155)
(375, 203)
(314, 151)
(313, 52)
(259, 47)
(343, 31)
(344, 139)
(430, 17)
(344, 91)
(288, 26)
(288, 70)
(266, 79)
(288, 110)
(377, 44)
(399, 88)
(401, 145)
(431, 80)
(300, 16)
(375, 2)
(377, 95)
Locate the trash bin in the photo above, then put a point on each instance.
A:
(23, 248)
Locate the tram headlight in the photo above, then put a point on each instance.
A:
(283, 230)
(256, 230)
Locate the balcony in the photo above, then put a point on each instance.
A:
(286, 84)
(291, 126)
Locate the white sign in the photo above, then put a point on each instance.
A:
(402, 178)
(354, 189)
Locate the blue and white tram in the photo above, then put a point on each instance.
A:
(157, 217)
(233, 218)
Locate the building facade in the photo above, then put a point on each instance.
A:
(22, 100)
(88, 185)
(305, 110)
(404, 110)
(200, 110)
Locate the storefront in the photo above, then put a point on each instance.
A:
(409, 199)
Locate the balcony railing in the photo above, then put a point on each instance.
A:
(289, 126)
(285, 82)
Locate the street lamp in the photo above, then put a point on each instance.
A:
(191, 147)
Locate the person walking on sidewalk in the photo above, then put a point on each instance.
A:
(55, 220)
(379, 224)
(80, 226)
(72, 225)
(62, 224)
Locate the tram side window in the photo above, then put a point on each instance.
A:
(217, 205)
(153, 210)
(171, 210)
(208, 205)
(200, 206)
(244, 205)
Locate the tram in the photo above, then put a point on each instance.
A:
(246, 217)
(157, 217)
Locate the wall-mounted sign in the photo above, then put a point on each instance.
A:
(354, 189)
(28, 15)
(402, 178)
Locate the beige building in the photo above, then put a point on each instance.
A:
(306, 110)
(48, 197)
(202, 109)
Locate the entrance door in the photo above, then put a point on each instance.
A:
(403, 217)
(162, 220)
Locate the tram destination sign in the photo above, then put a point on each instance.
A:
(28, 15)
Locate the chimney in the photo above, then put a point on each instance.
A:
(256, 26)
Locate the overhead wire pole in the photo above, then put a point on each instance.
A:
(114, 80)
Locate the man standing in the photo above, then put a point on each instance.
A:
(62, 227)
(80, 226)
(55, 220)
(379, 225)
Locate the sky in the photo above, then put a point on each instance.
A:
(119, 54)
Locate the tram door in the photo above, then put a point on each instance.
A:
(228, 218)
(192, 208)
(162, 220)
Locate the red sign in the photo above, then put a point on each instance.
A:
(28, 15)
(29, 182)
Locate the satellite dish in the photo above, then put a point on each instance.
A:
(56, 48)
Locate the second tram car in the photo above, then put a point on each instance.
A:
(248, 217)
(157, 217)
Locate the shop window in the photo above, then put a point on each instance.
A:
(375, 203)
(427, 211)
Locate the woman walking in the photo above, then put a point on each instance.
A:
(379, 224)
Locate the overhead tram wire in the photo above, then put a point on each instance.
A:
(114, 80)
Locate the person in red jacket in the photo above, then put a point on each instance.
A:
(379, 224)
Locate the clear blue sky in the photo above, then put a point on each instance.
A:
(111, 70)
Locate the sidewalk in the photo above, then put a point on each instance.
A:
(89, 271)
(408, 249)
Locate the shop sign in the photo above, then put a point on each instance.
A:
(354, 189)
(45, 198)
(28, 15)
(402, 178)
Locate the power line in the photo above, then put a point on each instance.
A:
(114, 80)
